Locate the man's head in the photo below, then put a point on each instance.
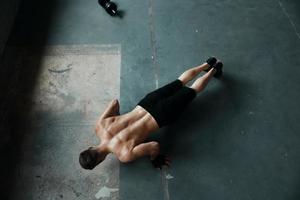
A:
(91, 157)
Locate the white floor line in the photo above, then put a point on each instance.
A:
(153, 42)
(164, 182)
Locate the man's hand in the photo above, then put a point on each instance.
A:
(160, 160)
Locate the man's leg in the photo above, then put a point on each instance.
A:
(174, 105)
(202, 82)
(193, 72)
(190, 74)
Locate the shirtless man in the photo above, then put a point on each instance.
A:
(124, 135)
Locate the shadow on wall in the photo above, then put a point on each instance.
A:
(201, 120)
(30, 29)
(8, 10)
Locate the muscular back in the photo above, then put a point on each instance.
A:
(123, 133)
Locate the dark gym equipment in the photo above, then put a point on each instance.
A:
(110, 7)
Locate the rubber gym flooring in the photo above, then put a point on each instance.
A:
(238, 140)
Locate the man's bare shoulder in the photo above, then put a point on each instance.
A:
(103, 127)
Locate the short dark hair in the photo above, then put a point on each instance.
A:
(88, 159)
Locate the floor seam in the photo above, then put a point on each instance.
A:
(289, 18)
(153, 42)
(165, 184)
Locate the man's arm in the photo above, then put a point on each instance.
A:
(111, 110)
(147, 149)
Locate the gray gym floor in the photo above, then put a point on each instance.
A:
(65, 60)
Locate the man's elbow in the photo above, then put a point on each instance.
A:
(125, 158)
(154, 150)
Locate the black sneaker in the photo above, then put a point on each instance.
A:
(210, 61)
(218, 66)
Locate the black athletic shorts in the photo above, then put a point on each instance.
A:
(167, 103)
